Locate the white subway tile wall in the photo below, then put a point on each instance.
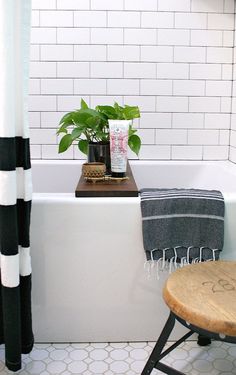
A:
(172, 58)
(232, 135)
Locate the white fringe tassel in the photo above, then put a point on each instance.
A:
(154, 267)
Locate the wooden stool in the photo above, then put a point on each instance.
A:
(202, 297)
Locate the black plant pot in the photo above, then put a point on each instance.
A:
(100, 152)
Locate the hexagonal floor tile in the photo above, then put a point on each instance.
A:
(123, 359)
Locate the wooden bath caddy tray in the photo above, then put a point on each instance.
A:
(126, 188)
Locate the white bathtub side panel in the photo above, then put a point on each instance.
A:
(91, 286)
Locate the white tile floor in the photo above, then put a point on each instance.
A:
(123, 359)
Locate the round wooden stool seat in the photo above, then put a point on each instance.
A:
(204, 295)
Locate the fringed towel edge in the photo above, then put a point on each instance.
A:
(155, 266)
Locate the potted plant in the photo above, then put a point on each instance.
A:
(89, 127)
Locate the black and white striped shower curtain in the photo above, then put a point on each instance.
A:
(15, 182)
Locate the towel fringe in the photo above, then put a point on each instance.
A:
(155, 267)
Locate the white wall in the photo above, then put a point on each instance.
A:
(173, 58)
(232, 148)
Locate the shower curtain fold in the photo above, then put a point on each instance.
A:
(15, 182)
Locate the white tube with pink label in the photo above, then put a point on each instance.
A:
(119, 131)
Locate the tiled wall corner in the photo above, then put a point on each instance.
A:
(173, 58)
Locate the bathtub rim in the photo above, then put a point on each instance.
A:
(225, 165)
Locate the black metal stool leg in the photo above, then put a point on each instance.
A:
(154, 357)
(203, 340)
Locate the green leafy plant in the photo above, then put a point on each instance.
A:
(86, 125)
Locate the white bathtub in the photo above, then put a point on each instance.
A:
(89, 284)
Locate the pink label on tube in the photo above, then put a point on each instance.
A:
(119, 130)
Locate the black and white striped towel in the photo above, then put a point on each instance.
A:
(182, 225)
